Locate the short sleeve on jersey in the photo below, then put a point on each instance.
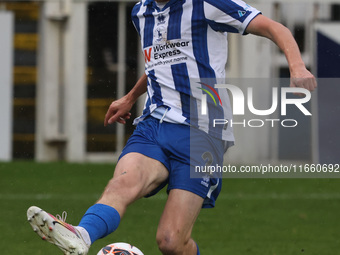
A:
(229, 15)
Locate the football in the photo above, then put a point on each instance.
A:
(120, 249)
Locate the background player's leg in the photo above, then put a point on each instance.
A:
(175, 226)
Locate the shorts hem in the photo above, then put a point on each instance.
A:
(207, 202)
(149, 155)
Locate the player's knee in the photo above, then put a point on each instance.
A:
(170, 242)
(168, 245)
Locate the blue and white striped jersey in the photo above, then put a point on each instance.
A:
(185, 49)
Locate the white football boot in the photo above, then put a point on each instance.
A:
(56, 231)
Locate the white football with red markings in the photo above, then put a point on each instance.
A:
(119, 249)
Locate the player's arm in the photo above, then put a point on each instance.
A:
(119, 110)
(279, 34)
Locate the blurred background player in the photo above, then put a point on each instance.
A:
(181, 40)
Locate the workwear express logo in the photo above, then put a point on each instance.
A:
(242, 100)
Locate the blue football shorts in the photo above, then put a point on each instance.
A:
(180, 148)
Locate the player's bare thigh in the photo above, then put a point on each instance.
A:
(135, 176)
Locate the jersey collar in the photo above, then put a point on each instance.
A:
(153, 4)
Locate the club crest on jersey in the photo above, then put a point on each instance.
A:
(160, 35)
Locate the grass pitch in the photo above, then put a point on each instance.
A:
(252, 216)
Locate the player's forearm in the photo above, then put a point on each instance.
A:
(284, 39)
(138, 90)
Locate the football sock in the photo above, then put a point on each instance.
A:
(198, 250)
(99, 221)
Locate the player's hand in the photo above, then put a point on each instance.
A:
(119, 111)
(302, 78)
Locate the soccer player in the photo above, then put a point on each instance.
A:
(185, 46)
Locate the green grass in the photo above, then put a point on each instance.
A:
(255, 217)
